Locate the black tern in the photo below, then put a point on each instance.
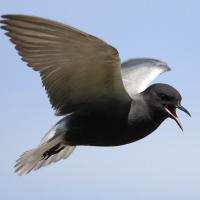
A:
(103, 102)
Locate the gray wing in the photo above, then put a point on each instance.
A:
(77, 69)
(138, 73)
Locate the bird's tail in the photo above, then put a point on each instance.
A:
(53, 147)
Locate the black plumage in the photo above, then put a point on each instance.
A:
(104, 102)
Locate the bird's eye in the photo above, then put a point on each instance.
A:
(164, 96)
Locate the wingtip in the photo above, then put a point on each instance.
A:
(167, 68)
(164, 66)
(3, 22)
(10, 16)
(5, 16)
(3, 27)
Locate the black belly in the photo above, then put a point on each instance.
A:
(103, 129)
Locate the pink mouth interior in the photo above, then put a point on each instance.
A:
(171, 111)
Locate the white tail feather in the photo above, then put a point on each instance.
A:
(52, 149)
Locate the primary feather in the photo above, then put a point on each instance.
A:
(77, 69)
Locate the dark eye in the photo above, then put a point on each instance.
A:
(164, 97)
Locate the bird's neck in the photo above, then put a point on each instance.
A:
(141, 120)
(141, 110)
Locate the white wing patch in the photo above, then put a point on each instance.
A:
(138, 73)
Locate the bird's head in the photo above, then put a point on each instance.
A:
(164, 99)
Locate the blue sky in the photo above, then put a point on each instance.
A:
(164, 165)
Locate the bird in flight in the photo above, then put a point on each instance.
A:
(103, 102)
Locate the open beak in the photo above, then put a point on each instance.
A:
(172, 113)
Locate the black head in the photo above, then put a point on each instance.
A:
(164, 99)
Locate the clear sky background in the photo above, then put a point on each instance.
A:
(164, 165)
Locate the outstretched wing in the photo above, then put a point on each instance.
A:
(77, 69)
(138, 73)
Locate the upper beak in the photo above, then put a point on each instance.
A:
(183, 109)
(174, 115)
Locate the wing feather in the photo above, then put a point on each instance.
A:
(138, 73)
(76, 68)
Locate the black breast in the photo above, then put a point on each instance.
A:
(98, 128)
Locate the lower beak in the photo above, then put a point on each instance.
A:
(174, 116)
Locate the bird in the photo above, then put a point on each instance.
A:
(102, 101)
